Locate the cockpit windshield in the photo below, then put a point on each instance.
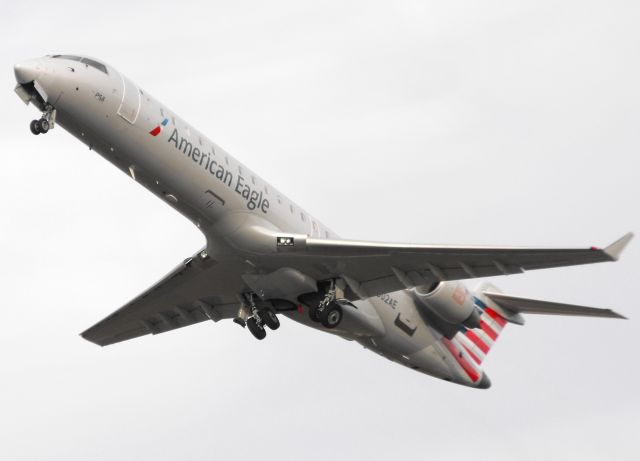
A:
(89, 62)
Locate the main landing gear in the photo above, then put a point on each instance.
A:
(46, 122)
(328, 312)
(260, 318)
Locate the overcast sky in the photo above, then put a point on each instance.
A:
(459, 122)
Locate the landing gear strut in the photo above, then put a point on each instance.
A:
(46, 122)
(328, 312)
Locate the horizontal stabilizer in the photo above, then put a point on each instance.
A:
(535, 306)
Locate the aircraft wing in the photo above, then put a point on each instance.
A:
(198, 289)
(371, 268)
(202, 288)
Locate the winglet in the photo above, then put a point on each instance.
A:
(616, 248)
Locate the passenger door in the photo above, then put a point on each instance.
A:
(130, 105)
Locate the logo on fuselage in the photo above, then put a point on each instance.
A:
(156, 131)
(254, 198)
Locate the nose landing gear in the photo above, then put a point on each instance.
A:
(46, 122)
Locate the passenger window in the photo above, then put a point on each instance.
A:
(291, 208)
(303, 217)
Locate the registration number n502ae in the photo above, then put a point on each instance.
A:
(389, 300)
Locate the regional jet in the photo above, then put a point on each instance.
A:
(267, 257)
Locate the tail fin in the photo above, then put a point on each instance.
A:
(478, 341)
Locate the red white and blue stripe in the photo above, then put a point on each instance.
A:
(469, 347)
(156, 131)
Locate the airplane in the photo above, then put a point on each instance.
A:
(266, 257)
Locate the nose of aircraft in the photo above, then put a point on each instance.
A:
(27, 71)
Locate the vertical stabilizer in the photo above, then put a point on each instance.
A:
(478, 341)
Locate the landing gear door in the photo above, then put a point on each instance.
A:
(130, 105)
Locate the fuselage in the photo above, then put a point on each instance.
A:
(179, 164)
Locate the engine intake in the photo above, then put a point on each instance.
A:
(450, 301)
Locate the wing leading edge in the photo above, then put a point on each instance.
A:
(371, 268)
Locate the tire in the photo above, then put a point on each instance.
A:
(313, 314)
(270, 319)
(256, 330)
(33, 126)
(43, 125)
(331, 316)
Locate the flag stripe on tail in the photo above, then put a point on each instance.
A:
(471, 347)
(477, 341)
(468, 368)
(496, 317)
(471, 354)
(492, 324)
(487, 329)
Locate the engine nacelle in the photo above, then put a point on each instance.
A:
(450, 301)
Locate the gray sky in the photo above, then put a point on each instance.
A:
(462, 122)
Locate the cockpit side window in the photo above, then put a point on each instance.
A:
(89, 62)
(98, 65)
(67, 56)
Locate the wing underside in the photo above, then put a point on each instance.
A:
(198, 289)
(202, 288)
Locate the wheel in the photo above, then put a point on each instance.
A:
(256, 329)
(313, 314)
(34, 127)
(331, 316)
(270, 319)
(43, 125)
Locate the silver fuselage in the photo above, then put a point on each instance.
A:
(179, 164)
